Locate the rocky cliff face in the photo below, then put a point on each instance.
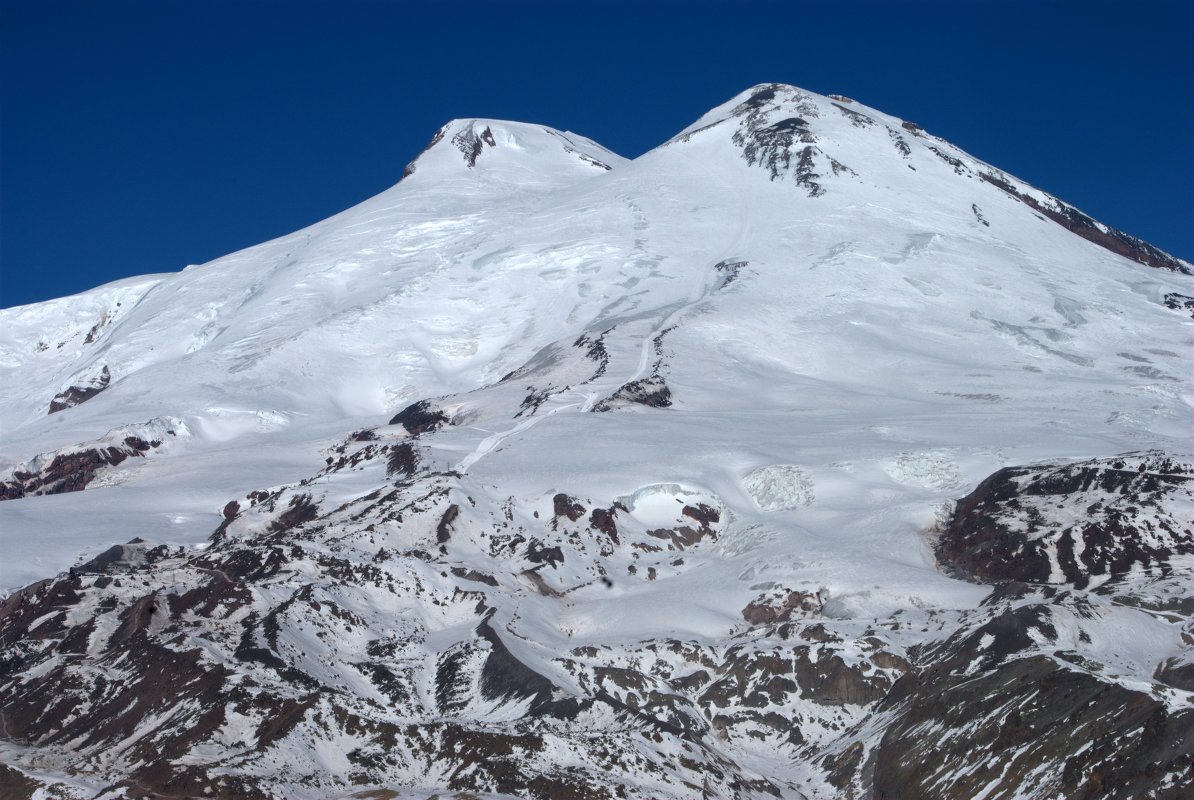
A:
(1079, 524)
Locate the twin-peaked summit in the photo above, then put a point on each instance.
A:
(506, 237)
(812, 141)
(782, 129)
(550, 473)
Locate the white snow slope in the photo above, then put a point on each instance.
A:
(856, 322)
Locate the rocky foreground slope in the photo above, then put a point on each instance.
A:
(803, 456)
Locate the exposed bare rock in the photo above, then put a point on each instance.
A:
(900, 144)
(702, 513)
(73, 470)
(768, 609)
(998, 712)
(842, 768)
(443, 531)
(1073, 523)
(685, 536)
(74, 395)
(403, 460)
(958, 166)
(473, 575)
(537, 553)
(650, 391)
(729, 269)
(435, 139)
(565, 506)
(420, 417)
(827, 678)
(784, 144)
(1104, 236)
(471, 143)
(123, 558)
(1180, 302)
(857, 118)
(602, 519)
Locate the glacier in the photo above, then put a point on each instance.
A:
(551, 473)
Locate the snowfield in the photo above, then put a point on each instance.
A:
(548, 471)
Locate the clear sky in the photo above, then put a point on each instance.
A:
(139, 137)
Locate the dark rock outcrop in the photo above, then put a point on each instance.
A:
(420, 417)
(785, 147)
(988, 710)
(403, 460)
(471, 143)
(74, 395)
(1180, 302)
(1071, 523)
(768, 609)
(685, 536)
(602, 519)
(565, 506)
(73, 470)
(443, 531)
(651, 391)
(729, 270)
(1082, 225)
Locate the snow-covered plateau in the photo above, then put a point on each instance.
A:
(804, 456)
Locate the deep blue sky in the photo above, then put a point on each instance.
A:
(140, 137)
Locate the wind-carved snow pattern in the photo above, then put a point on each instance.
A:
(396, 553)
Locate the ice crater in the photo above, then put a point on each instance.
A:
(662, 504)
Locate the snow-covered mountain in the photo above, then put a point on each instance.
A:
(804, 455)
